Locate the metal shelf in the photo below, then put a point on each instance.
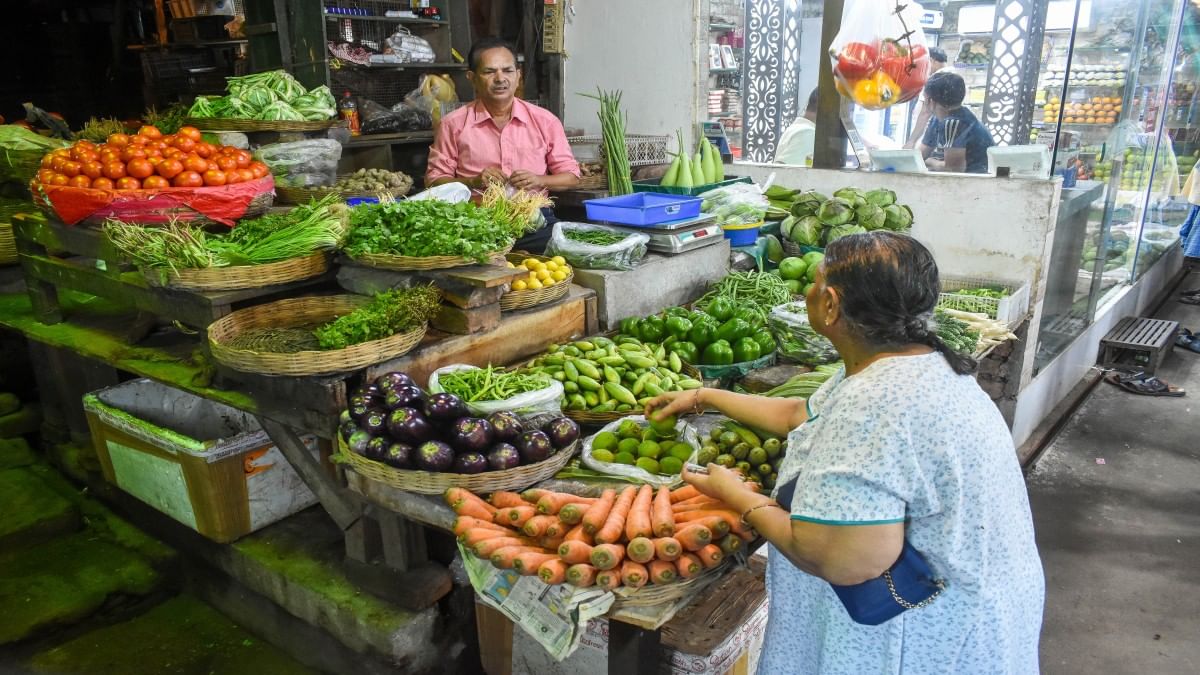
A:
(721, 26)
(407, 66)
(723, 71)
(390, 19)
(369, 140)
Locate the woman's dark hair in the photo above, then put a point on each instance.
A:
(485, 44)
(888, 285)
(948, 89)
(937, 54)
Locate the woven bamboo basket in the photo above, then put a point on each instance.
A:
(597, 182)
(217, 124)
(8, 245)
(533, 297)
(405, 263)
(599, 419)
(302, 313)
(295, 195)
(236, 277)
(429, 483)
(653, 595)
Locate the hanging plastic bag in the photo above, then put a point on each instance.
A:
(622, 254)
(311, 163)
(879, 56)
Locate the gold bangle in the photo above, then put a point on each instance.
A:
(752, 509)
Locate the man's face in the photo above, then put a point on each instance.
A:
(496, 77)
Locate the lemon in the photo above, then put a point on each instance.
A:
(532, 275)
(535, 284)
(551, 265)
(543, 275)
(558, 275)
(559, 259)
(531, 264)
(510, 264)
(519, 285)
(548, 281)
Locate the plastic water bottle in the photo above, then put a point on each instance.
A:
(348, 111)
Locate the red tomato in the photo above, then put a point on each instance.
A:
(114, 170)
(128, 183)
(102, 183)
(190, 132)
(139, 168)
(205, 150)
(233, 176)
(139, 140)
(153, 152)
(259, 169)
(908, 69)
(214, 177)
(85, 144)
(59, 179)
(48, 161)
(44, 176)
(243, 159)
(107, 156)
(856, 60)
(56, 163)
(227, 163)
(154, 161)
(63, 153)
(70, 168)
(92, 169)
(133, 152)
(195, 163)
(169, 168)
(188, 179)
(155, 183)
(150, 131)
(80, 181)
(246, 175)
(172, 152)
(79, 153)
(185, 144)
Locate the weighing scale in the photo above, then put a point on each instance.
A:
(678, 236)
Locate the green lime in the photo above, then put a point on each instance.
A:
(647, 464)
(664, 427)
(649, 434)
(605, 440)
(670, 465)
(681, 451)
(665, 446)
(629, 429)
(757, 456)
(623, 458)
(602, 455)
(765, 469)
(726, 461)
(740, 450)
(649, 449)
(629, 445)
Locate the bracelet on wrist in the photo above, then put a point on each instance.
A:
(752, 509)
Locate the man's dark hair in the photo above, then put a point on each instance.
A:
(937, 54)
(485, 44)
(812, 101)
(946, 89)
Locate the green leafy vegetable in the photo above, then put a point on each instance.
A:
(490, 384)
(385, 315)
(429, 228)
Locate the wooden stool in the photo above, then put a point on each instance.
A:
(1147, 341)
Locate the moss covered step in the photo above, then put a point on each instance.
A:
(32, 512)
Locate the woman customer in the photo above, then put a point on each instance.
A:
(897, 462)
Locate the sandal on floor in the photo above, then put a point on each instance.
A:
(1194, 291)
(1188, 340)
(1143, 385)
(1190, 299)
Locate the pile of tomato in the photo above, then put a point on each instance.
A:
(880, 74)
(149, 160)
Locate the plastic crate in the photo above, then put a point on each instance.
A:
(1010, 309)
(642, 209)
(207, 465)
(653, 186)
(643, 150)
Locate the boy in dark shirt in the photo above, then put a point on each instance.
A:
(955, 139)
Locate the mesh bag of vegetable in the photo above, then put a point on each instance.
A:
(310, 163)
(795, 337)
(595, 247)
(480, 387)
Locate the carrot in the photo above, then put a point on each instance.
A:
(527, 563)
(579, 533)
(662, 521)
(614, 527)
(688, 565)
(581, 575)
(553, 502)
(667, 548)
(640, 549)
(503, 498)
(685, 492)
(536, 526)
(572, 513)
(694, 537)
(515, 516)
(607, 556)
(552, 572)
(637, 524)
(550, 543)
(720, 522)
(710, 555)
(730, 544)
(487, 547)
(464, 523)
(506, 558)
(608, 579)
(575, 552)
(532, 495)
(597, 513)
(700, 499)
(472, 537)
(706, 505)
(557, 529)
(634, 575)
(465, 503)
(662, 572)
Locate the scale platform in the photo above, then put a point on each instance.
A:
(678, 236)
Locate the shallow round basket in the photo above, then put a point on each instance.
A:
(597, 182)
(235, 277)
(295, 195)
(532, 297)
(302, 312)
(404, 263)
(653, 595)
(219, 124)
(430, 483)
(599, 419)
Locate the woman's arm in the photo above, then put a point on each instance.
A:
(956, 160)
(777, 416)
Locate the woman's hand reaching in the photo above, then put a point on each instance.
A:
(674, 403)
(720, 483)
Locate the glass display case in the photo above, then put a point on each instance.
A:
(725, 65)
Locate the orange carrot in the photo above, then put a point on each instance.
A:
(667, 548)
(581, 575)
(720, 522)
(730, 544)
(464, 523)
(465, 503)
(640, 550)
(532, 495)
(487, 547)
(706, 505)
(688, 565)
(662, 572)
(637, 524)
(614, 527)
(550, 543)
(685, 492)
(572, 513)
(515, 516)
(607, 556)
(553, 502)
(552, 572)
(536, 526)
(694, 537)
(608, 579)
(661, 519)
(472, 537)
(634, 575)
(710, 555)
(506, 558)
(575, 552)
(597, 513)
(503, 498)
(557, 529)
(527, 563)
(699, 499)
(579, 533)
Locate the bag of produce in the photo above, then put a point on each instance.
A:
(480, 387)
(614, 433)
(595, 247)
(796, 338)
(310, 163)
(21, 152)
(879, 56)
(738, 204)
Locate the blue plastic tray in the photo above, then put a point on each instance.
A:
(642, 209)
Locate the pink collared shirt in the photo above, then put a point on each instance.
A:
(468, 142)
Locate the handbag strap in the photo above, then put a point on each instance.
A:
(887, 577)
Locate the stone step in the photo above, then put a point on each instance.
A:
(32, 512)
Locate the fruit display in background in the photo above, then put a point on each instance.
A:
(1095, 110)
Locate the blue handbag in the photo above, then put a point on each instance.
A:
(907, 584)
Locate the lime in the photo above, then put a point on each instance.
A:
(649, 449)
(623, 458)
(629, 445)
(757, 456)
(666, 446)
(681, 452)
(602, 455)
(629, 429)
(649, 434)
(670, 465)
(726, 460)
(664, 427)
(648, 464)
(765, 469)
(605, 440)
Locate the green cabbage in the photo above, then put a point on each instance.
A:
(280, 110)
(869, 216)
(855, 196)
(881, 197)
(258, 96)
(807, 231)
(835, 211)
(807, 203)
(897, 217)
(839, 231)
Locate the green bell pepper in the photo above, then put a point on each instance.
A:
(678, 311)
(686, 351)
(652, 329)
(629, 326)
(733, 330)
(748, 315)
(701, 334)
(678, 327)
(766, 341)
(720, 308)
(746, 349)
(718, 353)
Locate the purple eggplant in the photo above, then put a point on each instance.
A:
(399, 455)
(358, 442)
(503, 456)
(562, 431)
(470, 434)
(392, 380)
(409, 426)
(372, 393)
(347, 429)
(506, 426)
(377, 448)
(435, 456)
(403, 396)
(374, 422)
(470, 462)
(359, 407)
(534, 446)
(345, 417)
(444, 408)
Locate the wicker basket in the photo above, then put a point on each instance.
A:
(655, 595)
(237, 277)
(217, 124)
(429, 483)
(295, 195)
(792, 249)
(152, 207)
(302, 312)
(599, 419)
(533, 297)
(8, 244)
(405, 263)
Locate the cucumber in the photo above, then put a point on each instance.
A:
(587, 368)
(588, 383)
(620, 393)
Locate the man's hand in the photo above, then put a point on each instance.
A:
(490, 175)
(524, 180)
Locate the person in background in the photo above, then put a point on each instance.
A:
(937, 64)
(499, 138)
(955, 140)
(796, 143)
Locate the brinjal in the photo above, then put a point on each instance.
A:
(534, 446)
(470, 462)
(359, 407)
(392, 380)
(444, 408)
(506, 426)
(374, 422)
(409, 426)
(377, 448)
(346, 429)
(399, 455)
(403, 396)
(372, 393)
(562, 432)
(503, 456)
(358, 441)
(345, 417)
(470, 434)
(435, 456)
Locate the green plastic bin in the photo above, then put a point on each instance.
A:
(653, 186)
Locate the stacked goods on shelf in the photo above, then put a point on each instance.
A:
(1095, 110)
(1097, 75)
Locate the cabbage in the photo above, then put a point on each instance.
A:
(807, 203)
(869, 216)
(280, 110)
(807, 231)
(258, 96)
(237, 108)
(855, 196)
(897, 217)
(881, 197)
(203, 106)
(835, 211)
(317, 104)
(840, 231)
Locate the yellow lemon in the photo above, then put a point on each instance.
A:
(509, 263)
(531, 264)
(543, 275)
(559, 259)
(519, 285)
(548, 281)
(558, 275)
(539, 265)
(551, 265)
(535, 284)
